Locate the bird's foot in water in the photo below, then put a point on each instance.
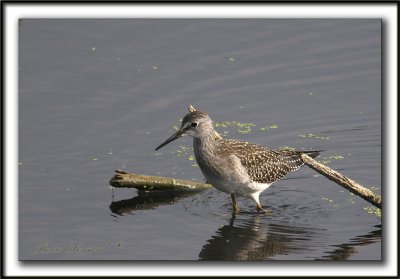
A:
(263, 210)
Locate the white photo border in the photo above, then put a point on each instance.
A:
(12, 11)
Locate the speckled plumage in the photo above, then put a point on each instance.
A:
(233, 166)
(263, 164)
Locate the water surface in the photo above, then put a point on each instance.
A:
(99, 95)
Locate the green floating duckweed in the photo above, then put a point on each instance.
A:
(241, 128)
(313, 136)
(329, 159)
(373, 211)
(267, 127)
(182, 151)
(327, 199)
(286, 148)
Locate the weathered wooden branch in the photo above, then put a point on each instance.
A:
(123, 179)
(344, 181)
(144, 182)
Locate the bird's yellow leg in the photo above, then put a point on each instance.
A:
(261, 209)
(234, 204)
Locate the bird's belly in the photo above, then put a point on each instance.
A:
(227, 174)
(224, 179)
(244, 189)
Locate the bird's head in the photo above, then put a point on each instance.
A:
(194, 124)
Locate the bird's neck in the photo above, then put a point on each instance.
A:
(205, 145)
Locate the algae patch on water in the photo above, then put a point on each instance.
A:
(241, 128)
(327, 199)
(182, 151)
(329, 159)
(373, 211)
(286, 148)
(313, 136)
(267, 127)
(191, 158)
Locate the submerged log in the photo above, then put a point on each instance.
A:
(343, 181)
(123, 179)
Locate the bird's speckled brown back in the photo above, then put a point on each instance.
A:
(263, 164)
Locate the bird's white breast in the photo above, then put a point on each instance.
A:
(227, 174)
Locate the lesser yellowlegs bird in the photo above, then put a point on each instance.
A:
(233, 166)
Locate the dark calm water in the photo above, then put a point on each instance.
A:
(99, 95)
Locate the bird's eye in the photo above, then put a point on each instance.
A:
(194, 124)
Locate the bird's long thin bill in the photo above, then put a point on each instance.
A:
(175, 136)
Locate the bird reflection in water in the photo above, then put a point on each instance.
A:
(251, 239)
(253, 236)
(258, 238)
